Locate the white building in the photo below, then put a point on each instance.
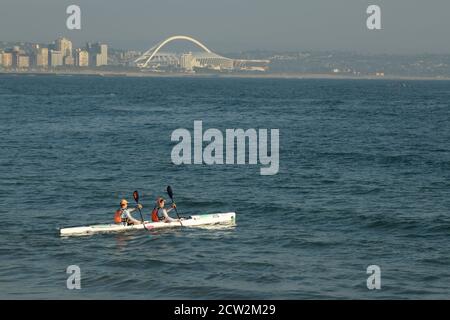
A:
(55, 58)
(81, 58)
(65, 46)
(213, 61)
(187, 61)
(41, 57)
(98, 54)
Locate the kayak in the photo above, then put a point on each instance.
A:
(192, 221)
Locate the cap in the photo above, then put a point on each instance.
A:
(159, 199)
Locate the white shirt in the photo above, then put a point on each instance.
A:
(162, 212)
(126, 213)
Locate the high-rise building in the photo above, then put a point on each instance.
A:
(1, 58)
(65, 46)
(98, 54)
(55, 58)
(16, 54)
(42, 57)
(19, 59)
(34, 52)
(187, 61)
(23, 62)
(102, 56)
(7, 59)
(81, 58)
(39, 56)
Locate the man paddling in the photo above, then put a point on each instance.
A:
(125, 213)
(160, 213)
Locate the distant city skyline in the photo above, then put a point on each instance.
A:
(408, 26)
(35, 56)
(62, 56)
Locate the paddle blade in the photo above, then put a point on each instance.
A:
(136, 196)
(170, 192)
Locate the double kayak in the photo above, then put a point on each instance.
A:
(192, 221)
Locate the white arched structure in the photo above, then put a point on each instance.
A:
(144, 60)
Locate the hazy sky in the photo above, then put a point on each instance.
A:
(409, 26)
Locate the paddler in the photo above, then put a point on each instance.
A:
(125, 213)
(160, 213)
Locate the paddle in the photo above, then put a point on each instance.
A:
(170, 193)
(136, 198)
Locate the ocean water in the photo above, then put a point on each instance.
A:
(364, 180)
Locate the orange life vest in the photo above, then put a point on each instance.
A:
(155, 217)
(118, 216)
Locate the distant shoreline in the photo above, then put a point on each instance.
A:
(222, 75)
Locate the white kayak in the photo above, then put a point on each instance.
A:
(197, 220)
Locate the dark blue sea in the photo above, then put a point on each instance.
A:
(364, 180)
